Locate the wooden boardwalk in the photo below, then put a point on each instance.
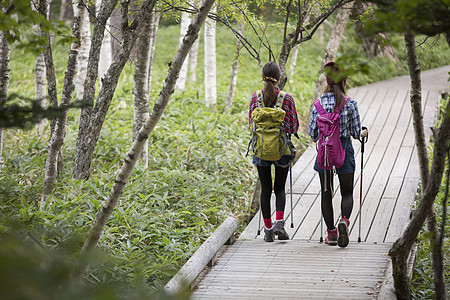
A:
(303, 268)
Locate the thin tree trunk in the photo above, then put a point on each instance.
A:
(333, 45)
(402, 247)
(65, 11)
(234, 70)
(103, 15)
(124, 174)
(88, 142)
(57, 137)
(106, 55)
(140, 88)
(193, 61)
(293, 60)
(5, 52)
(210, 63)
(40, 85)
(83, 56)
(154, 34)
(184, 23)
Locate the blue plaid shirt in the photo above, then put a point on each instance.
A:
(349, 124)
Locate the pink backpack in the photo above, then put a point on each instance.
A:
(330, 152)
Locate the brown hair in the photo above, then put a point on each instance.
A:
(271, 74)
(337, 88)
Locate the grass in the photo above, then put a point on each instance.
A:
(198, 173)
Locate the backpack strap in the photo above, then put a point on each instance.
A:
(280, 99)
(319, 107)
(259, 98)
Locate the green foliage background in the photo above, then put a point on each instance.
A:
(198, 173)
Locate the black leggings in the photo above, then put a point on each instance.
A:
(346, 186)
(265, 177)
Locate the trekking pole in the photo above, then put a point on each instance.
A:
(292, 211)
(259, 221)
(363, 140)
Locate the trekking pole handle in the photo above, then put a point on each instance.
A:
(363, 140)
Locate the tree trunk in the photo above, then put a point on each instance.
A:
(234, 70)
(119, 183)
(5, 52)
(210, 63)
(87, 142)
(106, 55)
(83, 55)
(140, 88)
(333, 45)
(193, 61)
(293, 60)
(65, 11)
(103, 15)
(40, 84)
(153, 36)
(372, 45)
(57, 136)
(184, 23)
(402, 247)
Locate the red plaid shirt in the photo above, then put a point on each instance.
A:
(290, 120)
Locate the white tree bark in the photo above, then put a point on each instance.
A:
(40, 85)
(293, 60)
(210, 63)
(234, 70)
(57, 136)
(92, 123)
(333, 44)
(153, 36)
(193, 61)
(184, 23)
(83, 55)
(106, 56)
(5, 52)
(103, 15)
(124, 174)
(140, 87)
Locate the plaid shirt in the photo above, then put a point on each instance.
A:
(290, 119)
(349, 124)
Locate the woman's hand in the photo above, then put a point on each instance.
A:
(364, 133)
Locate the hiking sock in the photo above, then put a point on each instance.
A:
(268, 223)
(279, 215)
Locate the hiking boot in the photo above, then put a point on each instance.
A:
(343, 232)
(332, 237)
(269, 236)
(279, 230)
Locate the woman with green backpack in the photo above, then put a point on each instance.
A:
(334, 111)
(272, 119)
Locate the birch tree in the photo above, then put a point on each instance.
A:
(210, 63)
(337, 33)
(106, 54)
(234, 70)
(193, 61)
(40, 85)
(153, 36)
(184, 23)
(91, 121)
(83, 55)
(5, 52)
(57, 136)
(130, 160)
(141, 82)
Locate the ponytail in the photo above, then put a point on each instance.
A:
(338, 91)
(271, 73)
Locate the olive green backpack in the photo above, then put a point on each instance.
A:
(269, 140)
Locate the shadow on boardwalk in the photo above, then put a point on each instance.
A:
(303, 268)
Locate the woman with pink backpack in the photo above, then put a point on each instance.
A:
(334, 120)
